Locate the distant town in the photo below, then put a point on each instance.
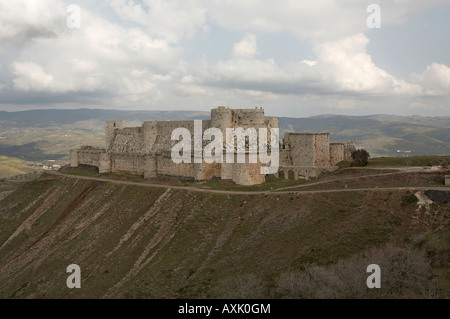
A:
(47, 165)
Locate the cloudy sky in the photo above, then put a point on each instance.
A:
(293, 58)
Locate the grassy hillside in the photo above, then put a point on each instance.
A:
(395, 162)
(143, 242)
(50, 134)
(10, 166)
(382, 135)
(39, 144)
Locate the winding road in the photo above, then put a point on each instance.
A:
(284, 190)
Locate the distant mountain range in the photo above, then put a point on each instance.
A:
(38, 134)
(57, 117)
(382, 135)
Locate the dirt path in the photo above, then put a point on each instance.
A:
(396, 171)
(271, 192)
(337, 179)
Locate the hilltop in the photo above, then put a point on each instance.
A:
(135, 241)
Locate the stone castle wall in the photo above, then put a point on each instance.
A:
(349, 148)
(337, 151)
(87, 155)
(146, 150)
(321, 149)
(300, 150)
(306, 149)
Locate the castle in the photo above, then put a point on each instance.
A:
(146, 150)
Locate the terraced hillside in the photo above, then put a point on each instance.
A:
(149, 242)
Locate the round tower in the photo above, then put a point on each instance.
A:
(221, 118)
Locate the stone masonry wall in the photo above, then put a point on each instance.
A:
(129, 163)
(146, 150)
(87, 155)
(112, 127)
(336, 152)
(349, 148)
(301, 149)
(321, 149)
(166, 167)
(74, 158)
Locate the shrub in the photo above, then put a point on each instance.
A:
(409, 199)
(360, 158)
(405, 273)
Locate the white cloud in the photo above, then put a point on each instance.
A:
(24, 20)
(435, 80)
(124, 65)
(137, 56)
(353, 70)
(170, 20)
(30, 76)
(309, 62)
(341, 66)
(246, 47)
(320, 21)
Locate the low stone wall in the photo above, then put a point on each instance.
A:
(86, 155)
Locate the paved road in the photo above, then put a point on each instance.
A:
(270, 192)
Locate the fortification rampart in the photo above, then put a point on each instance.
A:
(337, 152)
(146, 150)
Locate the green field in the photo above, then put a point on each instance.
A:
(10, 166)
(388, 162)
(425, 161)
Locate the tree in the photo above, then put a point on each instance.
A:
(360, 157)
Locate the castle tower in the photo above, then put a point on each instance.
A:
(309, 149)
(73, 158)
(248, 118)
(110, 134)
(150, 130)
(221, 118)
(322, 149)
